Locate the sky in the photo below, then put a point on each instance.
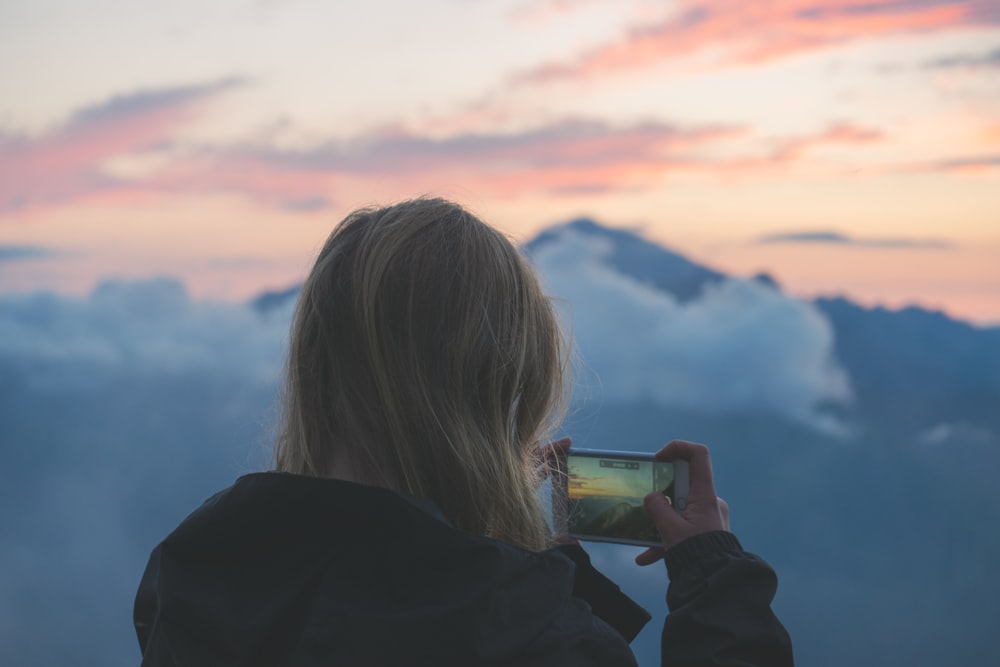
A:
(843, 146)
(587, 477)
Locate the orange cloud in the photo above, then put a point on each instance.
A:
(747, 33)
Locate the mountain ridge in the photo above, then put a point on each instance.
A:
(643, 260)
(918, 369)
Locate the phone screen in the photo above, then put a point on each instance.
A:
(605, 491)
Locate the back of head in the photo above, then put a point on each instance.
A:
(425, 358)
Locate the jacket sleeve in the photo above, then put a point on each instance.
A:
(720, 607)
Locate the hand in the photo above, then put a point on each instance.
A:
(705, 512)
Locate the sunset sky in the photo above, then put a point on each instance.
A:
(588, 478)
(844, 146)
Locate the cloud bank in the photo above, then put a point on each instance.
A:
(740, 346)
(149, 327)
(119, 414)
(9, 253)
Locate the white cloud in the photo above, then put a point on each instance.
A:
(739, 346)
(119, 414)
(149, 326)
(947, 433)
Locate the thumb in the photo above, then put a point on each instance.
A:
(668, 522)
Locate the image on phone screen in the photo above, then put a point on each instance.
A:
(604, 496)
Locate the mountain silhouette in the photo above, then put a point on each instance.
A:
(633, 256)
(623, 520)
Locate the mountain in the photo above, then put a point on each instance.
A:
(636, 257)
(266, 302)
(623, 519)
(920, 371)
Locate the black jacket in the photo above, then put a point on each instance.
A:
(287, 570)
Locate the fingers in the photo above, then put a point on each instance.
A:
(704, 512)
(650, 556)
(681, 449)
(700, 466)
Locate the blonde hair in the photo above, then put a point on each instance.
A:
(425, 357)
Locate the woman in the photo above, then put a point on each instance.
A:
(402, 526)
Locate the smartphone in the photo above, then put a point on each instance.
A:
(598, 495)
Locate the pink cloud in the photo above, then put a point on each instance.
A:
(66, 162)
(788, 150)
(569, 157)
(748, 33)
(237, 172)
